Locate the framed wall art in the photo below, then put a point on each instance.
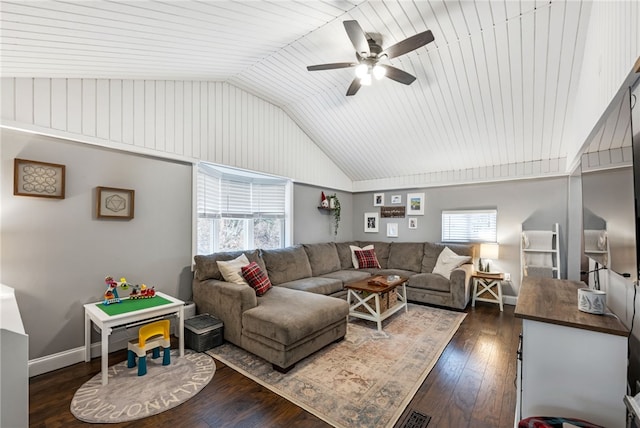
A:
(386, 212)
(115, 203)
(392, 230)
(378, 199)
(396, 199)
(413, 223)
(40, 179)
(371, 222)
(415, 204)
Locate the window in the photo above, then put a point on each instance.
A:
(469, 226)
(239, 210)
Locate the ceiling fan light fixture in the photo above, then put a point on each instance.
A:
(368, 52)
(362, 70)
(379, 72)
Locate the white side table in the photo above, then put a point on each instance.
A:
(106, 323)
(487, 282)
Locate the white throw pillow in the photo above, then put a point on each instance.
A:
(354, 259)
(232, 270)
(448, 261)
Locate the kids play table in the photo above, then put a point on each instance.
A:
(128, 312)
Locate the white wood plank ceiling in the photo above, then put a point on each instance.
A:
(495, 88)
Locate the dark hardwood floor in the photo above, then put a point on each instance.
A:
(472, 385)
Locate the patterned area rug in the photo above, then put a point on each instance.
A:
(128, 397)
(367, 379)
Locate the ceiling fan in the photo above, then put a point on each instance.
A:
(369, 53)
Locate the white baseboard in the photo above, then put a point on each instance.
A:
(510, 300)
(57, 361)
(62, 359)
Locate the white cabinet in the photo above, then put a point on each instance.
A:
(574, 364)
(14, 363)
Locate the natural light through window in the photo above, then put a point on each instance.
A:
(240, 210)
(469, 226)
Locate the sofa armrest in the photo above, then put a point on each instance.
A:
(461, 285)
(225, 301)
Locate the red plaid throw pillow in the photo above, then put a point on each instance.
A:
(367, 259)
(256, 278)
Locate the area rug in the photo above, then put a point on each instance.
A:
(367, 379)
(128, 397)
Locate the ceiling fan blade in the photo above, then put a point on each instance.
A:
(357, 37)
(354, 87)
(330, 66)
(398, 75)
(408, 44)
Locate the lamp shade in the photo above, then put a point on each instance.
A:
(489, 251)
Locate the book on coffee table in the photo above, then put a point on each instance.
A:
(387, 281)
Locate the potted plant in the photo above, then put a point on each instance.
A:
(334, 205)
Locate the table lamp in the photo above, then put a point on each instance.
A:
(488, 252)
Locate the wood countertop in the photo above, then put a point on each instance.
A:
(555, 301)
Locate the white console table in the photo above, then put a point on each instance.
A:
(574, 364)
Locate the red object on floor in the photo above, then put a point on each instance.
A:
(554, 422)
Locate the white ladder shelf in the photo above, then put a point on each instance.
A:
(540, 253)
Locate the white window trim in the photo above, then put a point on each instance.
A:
(288, 216)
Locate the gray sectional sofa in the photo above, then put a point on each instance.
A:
(305, 310)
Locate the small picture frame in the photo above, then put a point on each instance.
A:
(371, 221)
(413, 223)
(39, 179)
(378, 199)
(392, 230)
(396, 199)
(415, 204)
(113, 203)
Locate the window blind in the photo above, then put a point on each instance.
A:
(222, 194)
(469, 226)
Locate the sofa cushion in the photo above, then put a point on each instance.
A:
(430, 281)
(354, 258)
(432, 251)
(382, 251)
(344, 254)
(287, 316)
(231, 270)
(463, 249)
(207, 268)
(406, 256)
(257, 278)
(286, 264)
(367, 259)
(347, 276)
(316, 284)
(448, 261)
(323, 258)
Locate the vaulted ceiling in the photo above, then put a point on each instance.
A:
(493, 89)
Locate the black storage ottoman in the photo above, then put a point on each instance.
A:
(203, 332)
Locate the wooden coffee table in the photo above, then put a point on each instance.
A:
(372, 290)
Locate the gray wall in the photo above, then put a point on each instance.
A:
(537, 204)
(313, 225)
(55, 253)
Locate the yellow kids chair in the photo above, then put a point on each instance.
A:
(150, 336)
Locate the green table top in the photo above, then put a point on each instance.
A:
(131, 305)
